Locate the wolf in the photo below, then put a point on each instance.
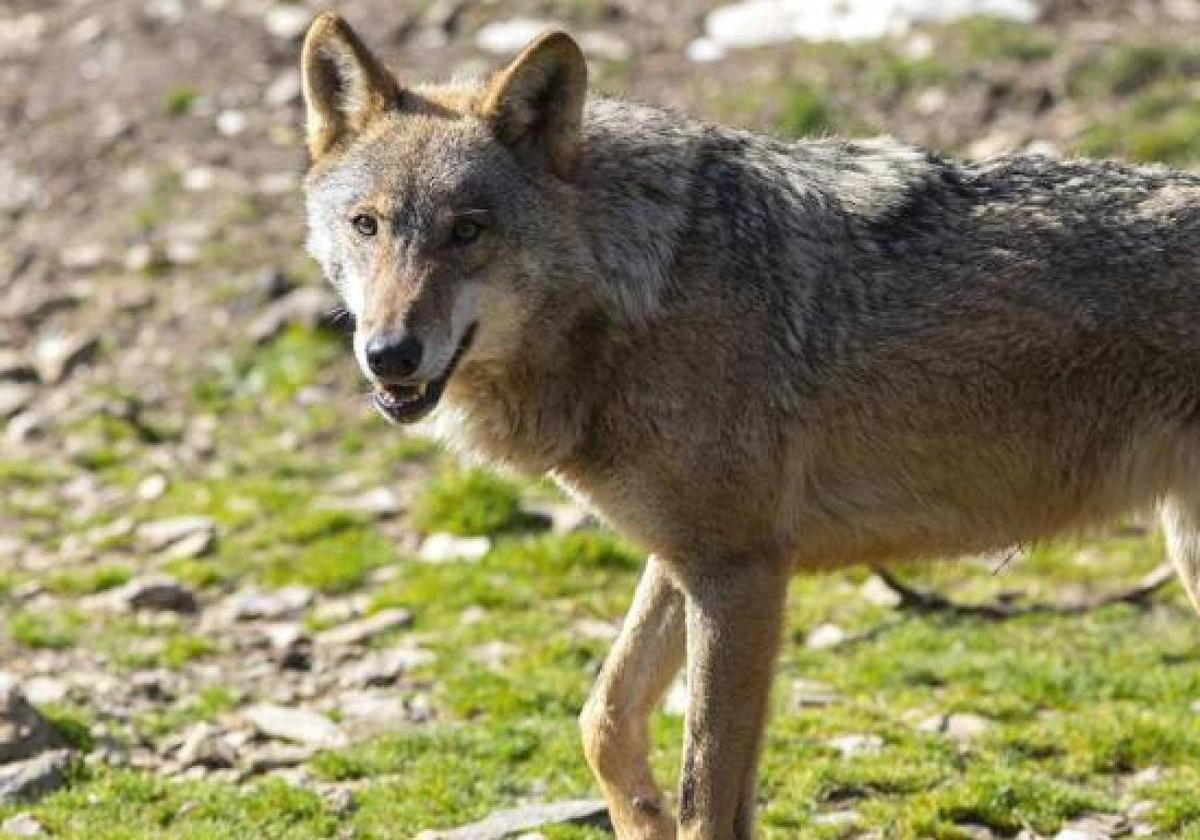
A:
(752, 357)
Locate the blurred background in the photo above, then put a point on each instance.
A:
(234, 603)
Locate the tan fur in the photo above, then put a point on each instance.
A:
(755, 358)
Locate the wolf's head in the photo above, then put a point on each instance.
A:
(435, 211)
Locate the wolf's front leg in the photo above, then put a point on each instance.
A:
(645, 657)
(734, 621)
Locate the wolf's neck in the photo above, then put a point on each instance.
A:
(535, 409)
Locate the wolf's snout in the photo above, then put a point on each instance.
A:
(393, 357)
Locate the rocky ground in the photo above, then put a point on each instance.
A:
(234, 604)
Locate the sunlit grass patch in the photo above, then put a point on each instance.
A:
(468, 502)
(55, 628)
(87, 579)
(1159, 127)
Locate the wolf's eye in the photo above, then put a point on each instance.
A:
(465, 231)
(365, 225)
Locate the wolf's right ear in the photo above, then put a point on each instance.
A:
(345, 86)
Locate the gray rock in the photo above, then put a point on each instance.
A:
(307, 306)
(34, 777)
(825, 636)
(1095, 827)
(162, 533)
(365, 629)
(383, 667)
(508, 37)
(14, 367)
(154, 592)
(15, 397)
(447, 548)
(590, 812)
(298, 725)
(205, 745)
(83, 257)
(276, 756)
(286, 21)
(23, 824)
(24, 732)
(877, 592)
(851, 746)
(256, 604)
(379, 502)
(57, 354)
(961, 726)
(810, 694)
(372, 711)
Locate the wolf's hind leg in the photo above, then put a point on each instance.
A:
(1181, 522)
(644, 659)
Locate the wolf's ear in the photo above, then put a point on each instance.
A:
(345, 86)
(536, 103)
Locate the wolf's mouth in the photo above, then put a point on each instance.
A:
(410, 403)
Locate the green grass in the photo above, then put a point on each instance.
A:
(987, 38)
(806, 112)
(1078, 705)
(467, 503)
(1129, 68)
(86, 580)
(52, 629)
(179, 100)
(1158, 127)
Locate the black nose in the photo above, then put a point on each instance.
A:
(393, 357)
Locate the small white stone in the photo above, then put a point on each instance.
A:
(152, 487)
(231, 122)
(825, 636)
(704, 50)
(446, 548)
(198, 179)
(23, 824)
(286, 21)
(508, 37)
(855, 745)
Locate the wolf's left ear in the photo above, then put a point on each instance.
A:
(536, 103)
(345, 86)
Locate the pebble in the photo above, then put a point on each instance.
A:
(14, 367)
(154, 592)
(286, 21)
(83, 257)
(298, 725)
(384, 667)
(231, 123)
(307, 306)
(254, 604)
(34, 777)
(810, 694)
(162, 533)
(508, 37)
(447, 548)
(24, 732)
(960, 726)
(365, 629)
(152, 487)
(23, 824)
(876, 591)
(825, 636)
(529, 817)
(15, 397)
(205, 745)
(56, 355)
(851, 746)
